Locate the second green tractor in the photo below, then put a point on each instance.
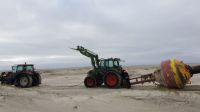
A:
(105, 71)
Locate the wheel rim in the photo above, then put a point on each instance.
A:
(111, 79)
(23, 81)
(90, 82)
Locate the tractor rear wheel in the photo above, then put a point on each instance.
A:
(25, 81)
(30, 81)
(90, 82)
(112, 80)
(37, 80)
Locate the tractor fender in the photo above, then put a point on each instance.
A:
(22, 73)
(125, 74)
(112, 71)
(97, 76)
(91, 73)
(28, 73)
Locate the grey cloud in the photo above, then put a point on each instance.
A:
(140, 32)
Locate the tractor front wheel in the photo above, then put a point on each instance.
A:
(90, 82)
(112, 80)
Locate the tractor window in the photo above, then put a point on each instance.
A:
(110, 63)
(106, 63)
(29, 68)
(20, 68)
(24, 68)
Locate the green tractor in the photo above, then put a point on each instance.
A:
(105, 71)
(22, 75)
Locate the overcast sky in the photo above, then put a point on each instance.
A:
(137, 31)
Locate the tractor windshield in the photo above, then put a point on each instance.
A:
(110, 63)
(25, 68)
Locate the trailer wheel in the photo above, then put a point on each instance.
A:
(112, 80)
(24, 81)
(90, 82)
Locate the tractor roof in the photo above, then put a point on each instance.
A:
(24, 65)
(118, 59)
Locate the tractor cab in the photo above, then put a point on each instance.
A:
(110, 63)
(23, 67)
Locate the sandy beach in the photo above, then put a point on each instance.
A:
(63, 90)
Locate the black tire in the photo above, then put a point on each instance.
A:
(37, 81)
(90, 82)
(24, 81)
(30, 81)
(112, 80)
(16, 83)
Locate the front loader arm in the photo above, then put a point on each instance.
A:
(93, 56)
